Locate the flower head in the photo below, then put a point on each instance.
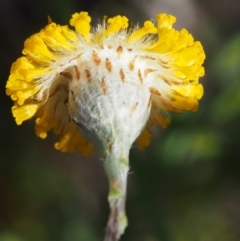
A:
(98, 85)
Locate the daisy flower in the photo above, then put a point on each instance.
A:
(106, 86)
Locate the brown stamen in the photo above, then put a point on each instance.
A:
(67, 75)
(108, 65)
(104, 86)
(96, 58)
(133, 108)
(154, 91)
(88, 75)
(122, 75)
(77, 72)
(131, 64)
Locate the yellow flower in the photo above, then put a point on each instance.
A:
(107, 81)
(106, 86)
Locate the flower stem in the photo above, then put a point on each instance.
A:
(117, 169)
(117, 221)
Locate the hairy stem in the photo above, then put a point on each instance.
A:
(117, 221)
(117, 170)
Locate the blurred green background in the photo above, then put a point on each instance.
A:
(184, 187)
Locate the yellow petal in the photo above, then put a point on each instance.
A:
(25, 112)
(148, 28)
(115, 24)
(81, 21)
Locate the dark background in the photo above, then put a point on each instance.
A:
(184, 187)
